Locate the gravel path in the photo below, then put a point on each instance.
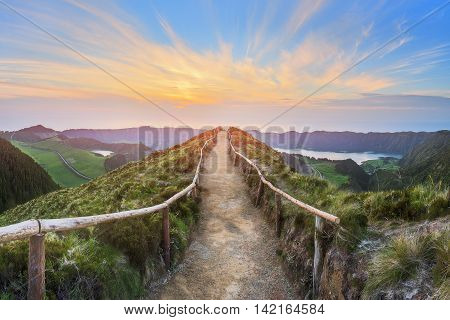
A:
(233, 252)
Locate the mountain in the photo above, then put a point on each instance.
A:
(21, 179)
(431, 158)
(34, 134)
(396, 142)
(155, 138)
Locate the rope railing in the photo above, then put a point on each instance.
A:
(36, 229)
(319, 214)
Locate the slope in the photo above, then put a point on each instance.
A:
(21, 179)
(429, 159)
(115, 260)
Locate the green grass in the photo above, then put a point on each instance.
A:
(402, 258)
(84, 161)
(388, 164)
(354, 209)
(115, 260)
(328, 171)
(51, 163)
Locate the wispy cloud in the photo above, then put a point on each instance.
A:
(179, 75)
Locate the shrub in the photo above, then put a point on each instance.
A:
(75, 269)
(398, 261)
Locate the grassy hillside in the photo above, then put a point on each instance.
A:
(430, 159)
(386, 163)
(370, 221)
(21, 179)
(115, 260)
(51, 163)
(84, 161)
(327, 170)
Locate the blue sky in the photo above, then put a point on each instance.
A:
(225, 62)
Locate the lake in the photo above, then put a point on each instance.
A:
(104, 153)
(358, 157)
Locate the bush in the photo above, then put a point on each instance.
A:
(398, 261)
(75, 269)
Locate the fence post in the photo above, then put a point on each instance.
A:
(278, 214)
(166, 237)
(318, 249)
(259, 193)
(36, 267)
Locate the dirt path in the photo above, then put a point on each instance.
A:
(233, 253)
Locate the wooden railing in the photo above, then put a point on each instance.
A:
(36, 229)
(319, 214)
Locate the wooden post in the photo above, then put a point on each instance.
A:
(166, 237)
(235, 159)
(259, 193)
(278, 214)
(318, 256)
(36, 267)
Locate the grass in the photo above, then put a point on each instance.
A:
(51, 163)
(84, 161)
(328, 171)
(354, 209)
(402, 259)
(115, 260)
(388, 164)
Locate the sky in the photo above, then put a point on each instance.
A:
(116, 64)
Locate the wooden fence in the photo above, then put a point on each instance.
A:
(36, 229)
(319, 214)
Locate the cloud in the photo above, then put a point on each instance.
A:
(174, 73)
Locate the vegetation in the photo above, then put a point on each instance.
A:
(115, 161)
(355, 210)
(429, 159)
(327, 170)
(21, 179)
(400, 260)
(405, 257)
(84, 161)
(385, 163)
(112, 260)
(52, 164)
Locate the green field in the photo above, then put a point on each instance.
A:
(84, 161)
(51, 162)
(388, 164)
(328, 171)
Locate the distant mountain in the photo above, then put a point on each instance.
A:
(34, 134)
(155, 138)
(21, 179)
(431, 158)
(396, 143)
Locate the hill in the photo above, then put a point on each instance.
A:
(21, 179)
(33, 134)
(431, 158)
(116, 260)
(345, 174)
(383, 142)
(388, 245)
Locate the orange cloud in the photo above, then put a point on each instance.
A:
(175, 73)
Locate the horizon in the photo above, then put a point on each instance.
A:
(207, 63)
(245, 128)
